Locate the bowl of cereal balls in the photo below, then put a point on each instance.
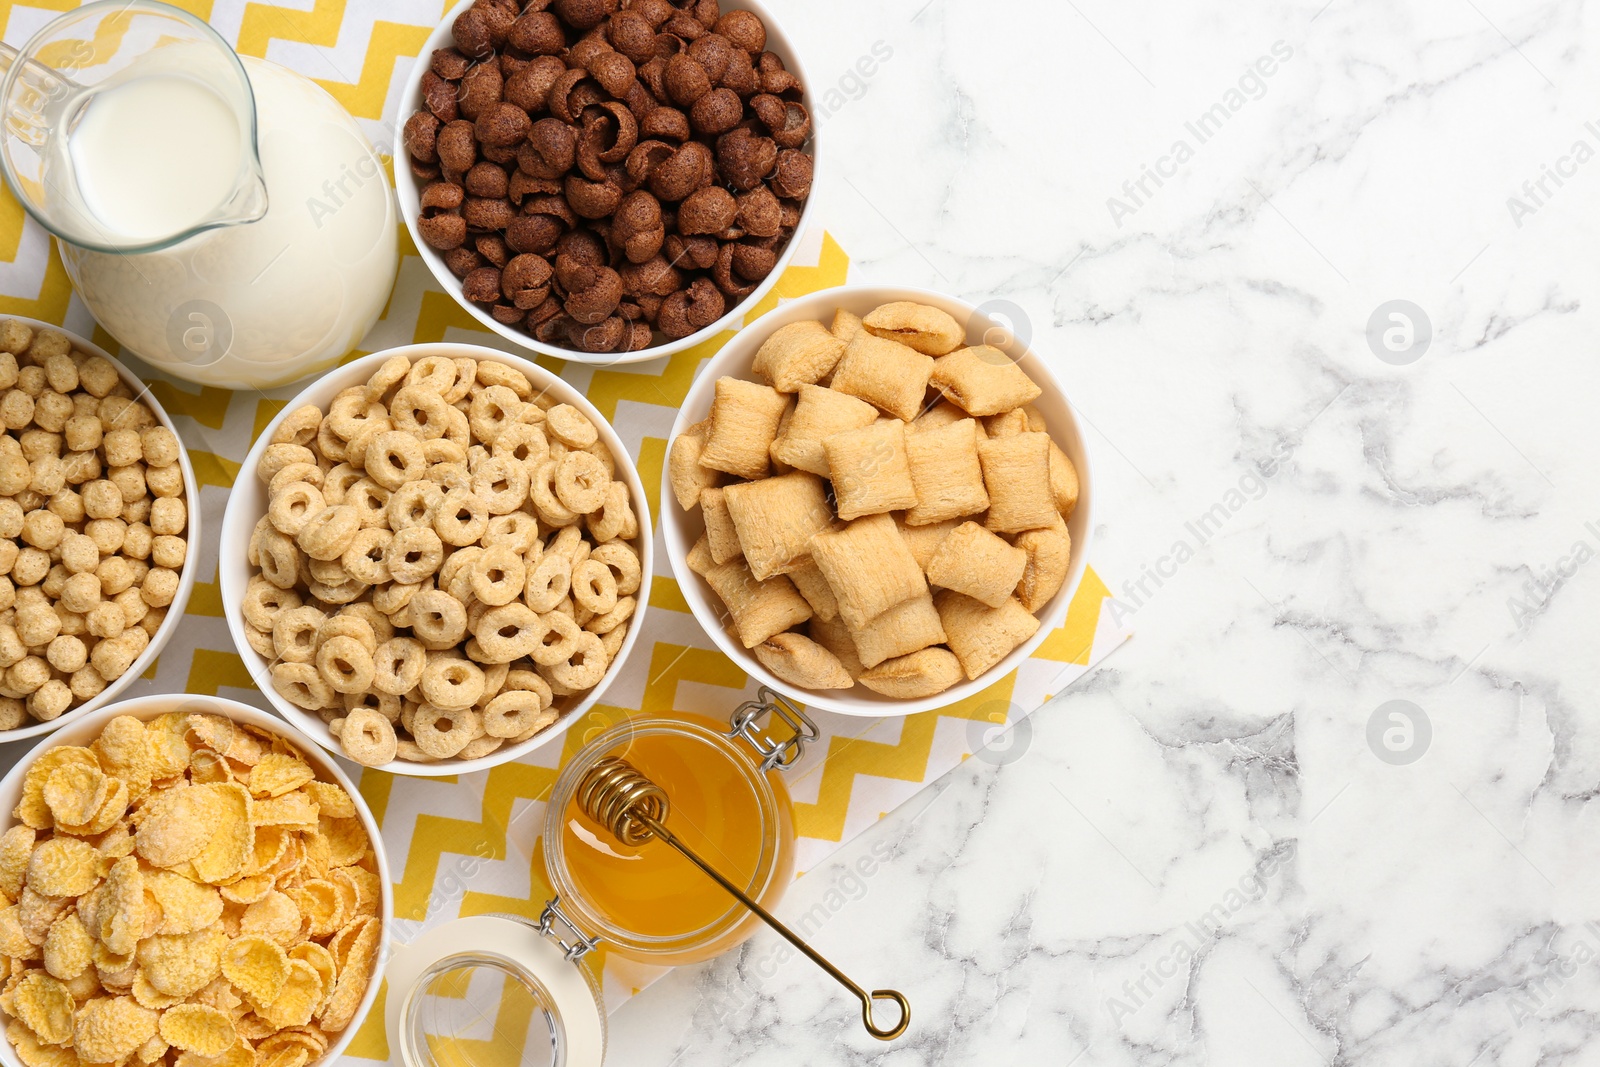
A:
(96, 519)
(441, 557)
(606, 180)
(186, 880)
(879, 500)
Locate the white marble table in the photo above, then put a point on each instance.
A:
(1198, 856)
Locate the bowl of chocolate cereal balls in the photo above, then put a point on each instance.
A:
(438, 557)
(97, 518)
(606, 181)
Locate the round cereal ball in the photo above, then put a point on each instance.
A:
(43, 529)
(168, 516)
(67, 654)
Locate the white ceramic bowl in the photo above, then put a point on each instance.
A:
(409, 191)
(191, 500)
(85, 729)
(681, 530)
(249, 502)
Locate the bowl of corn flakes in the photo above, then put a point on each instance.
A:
(878, 500)
(98, 514)
(186, 880)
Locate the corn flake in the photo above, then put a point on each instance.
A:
(63, 867)
(247, 890)
(276, 916)
(169, 748)
(226, 737)
(175, 825)
(181, 964)
(149, 996)
(14, 944)
(185, 906)
(277, 774)
(32, 809)
(355, 972)
(320, 903)
(34, 1053)
(125, 752)
(331, 800)
(119, 913)
(232, 837)
(347, 841)
(16, 845)
(240, 1055)
(152, 1050)
(45, 1006)
(294, 811)
(67, 947)
(198, 1028)
(297, 1000)
(109, 1029)
(321, 960)
(257, 966)
(75, 793)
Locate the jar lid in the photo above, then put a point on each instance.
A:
(489, 991)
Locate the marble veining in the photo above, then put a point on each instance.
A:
(1223, 846)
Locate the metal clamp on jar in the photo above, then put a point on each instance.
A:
(665, 838)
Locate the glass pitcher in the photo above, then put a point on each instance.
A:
(224, 218)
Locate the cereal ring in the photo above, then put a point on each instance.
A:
(450, 476)
(580, 481)
(523, 442)
(461, 518)
(259, 640)
(394, 458)
(548, 583)
(612, 639)
(397, 665)
(376, 621)
(347, 625)
(371, 502)
(585, 667)
(604, 623)
(293, 505)
(262, 603)
(384, 704)
(624, 564)
(413, 504)
(570, 426)
(366, 559)
(466, 377)
(480, 747)
(455, 577)
(299, 427)
(301, 685)
(394, 596)
(615, 518)
(491, 373)
(414, 554)
(330, 445)
(367, 737)
(436, 373)
(492, 411)
(275, 457)
(294, 634)
(442, 450)
(568, 541)
(355, 451)
(546, 505)
(508, 633)
(510, 714)
(438, 619)
(337, 481)
(457, 430)
(345, 664)
(442, 733)
(594, 587)
(279, 559)
(498, 576)
(351, 411)
(502, 484)
(392, 372)
(560, 641)
(421, 412)
(295, 472)
(329, 532)
(519, 531)
(451, 683)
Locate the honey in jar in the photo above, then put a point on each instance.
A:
(648, 901)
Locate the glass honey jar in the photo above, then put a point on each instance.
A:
(501, 991)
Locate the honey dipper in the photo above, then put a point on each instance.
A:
(634, 809)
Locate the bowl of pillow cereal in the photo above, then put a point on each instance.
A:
(186, 880)
(96, 519)
(443, 556)
(878, 500)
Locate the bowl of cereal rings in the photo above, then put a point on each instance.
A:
(879, 499)
(187, 880)
(443, 554)
(97, 513)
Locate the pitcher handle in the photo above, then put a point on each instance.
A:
(32, 113)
